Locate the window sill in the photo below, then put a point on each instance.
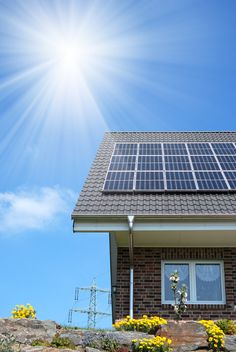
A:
(198, 305)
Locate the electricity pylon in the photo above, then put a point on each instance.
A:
(92, 310)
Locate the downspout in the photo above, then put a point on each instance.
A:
(131, 257)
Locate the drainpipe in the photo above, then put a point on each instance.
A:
(131, 257)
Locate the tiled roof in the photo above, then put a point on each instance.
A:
(93, 201)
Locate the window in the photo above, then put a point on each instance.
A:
(204, 279)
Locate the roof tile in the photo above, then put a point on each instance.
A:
(93, 201)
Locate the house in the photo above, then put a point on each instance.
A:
(168, 201)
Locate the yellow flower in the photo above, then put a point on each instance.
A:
(22, 312)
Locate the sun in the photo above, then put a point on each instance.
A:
(65, 63)
(68, 57)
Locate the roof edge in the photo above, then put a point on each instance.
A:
(152, 217)
(174, 132)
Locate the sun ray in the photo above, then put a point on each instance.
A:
(67, 68)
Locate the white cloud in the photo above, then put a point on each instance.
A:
(33, 209)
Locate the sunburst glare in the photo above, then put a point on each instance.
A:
(70, 67)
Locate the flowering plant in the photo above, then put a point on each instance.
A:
(174, 279)
(155, 344)
(180, 295)
(21, 311)
(215, 335)
(144, 324)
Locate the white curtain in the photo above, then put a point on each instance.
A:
(208, 282)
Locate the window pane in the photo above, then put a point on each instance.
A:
(183, 270)
(208, 282)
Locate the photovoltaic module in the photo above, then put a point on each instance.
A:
(160, 167)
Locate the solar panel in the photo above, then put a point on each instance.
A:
(122, 163)
(175, 149)
(210, 181)
(204, 162)
(150, 162)
(122, 181)
(125, 149)
(149, 181)
(180, 181)
(177, 162)
(150, 149)
(199, 149)
(163, 167)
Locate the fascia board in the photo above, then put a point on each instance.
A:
(153, 226)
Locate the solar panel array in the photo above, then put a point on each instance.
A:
(160, 167)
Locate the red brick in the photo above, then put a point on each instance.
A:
(147, 282)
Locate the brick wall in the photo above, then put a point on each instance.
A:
(147, 282)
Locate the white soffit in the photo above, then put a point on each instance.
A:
(169, 233)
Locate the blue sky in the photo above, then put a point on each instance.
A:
(70, 70)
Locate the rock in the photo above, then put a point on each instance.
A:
(27, 330)
(230, 343)
(125, 337)
(27, 348)
(75, 336)
(185, 335)
(43, 349)
(189, 348)
(91, 349)
(92, 339)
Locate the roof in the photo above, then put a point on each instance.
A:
(93, 202)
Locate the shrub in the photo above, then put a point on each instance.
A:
(215, 336)
(21, 311)
(227, 326)
(57, 342)
(155, 344)
(109, 344)
(40, 343)
(145, 324)
(62, 342)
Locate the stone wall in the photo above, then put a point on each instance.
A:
(147, 282)
(186, 336)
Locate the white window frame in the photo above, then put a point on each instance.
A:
(192, 280)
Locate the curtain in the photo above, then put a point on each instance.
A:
(208, 282)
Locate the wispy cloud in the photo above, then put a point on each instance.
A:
(35, 209)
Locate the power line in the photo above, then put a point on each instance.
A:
(92, 310)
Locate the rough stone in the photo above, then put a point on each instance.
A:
(27, 330)
(123, 338)
(230, 343)
(43, 349)
(91, 349)
(185, 335)
(27, 348)
(190, 348)
(75, 336)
